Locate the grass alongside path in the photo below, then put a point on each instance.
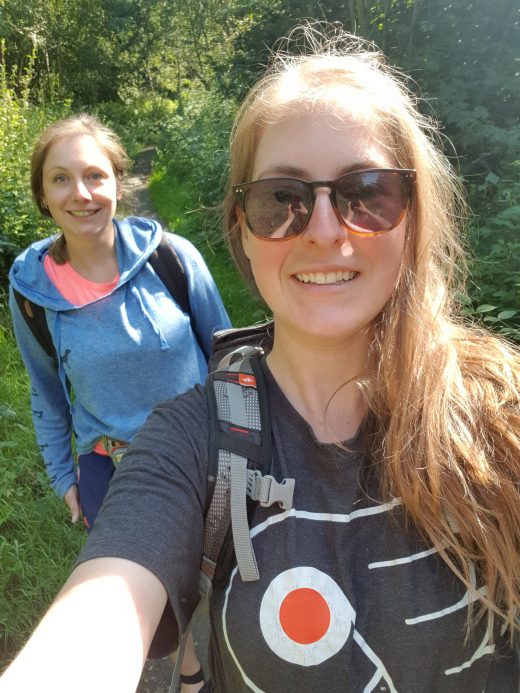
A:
(37, 542)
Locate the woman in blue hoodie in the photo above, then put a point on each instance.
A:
(122, 343)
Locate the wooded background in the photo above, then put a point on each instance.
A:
(169, 73)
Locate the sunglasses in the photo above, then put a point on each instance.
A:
(367, 202)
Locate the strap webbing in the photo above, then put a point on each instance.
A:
(244, 553)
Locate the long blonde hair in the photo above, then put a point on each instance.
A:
(444, 399)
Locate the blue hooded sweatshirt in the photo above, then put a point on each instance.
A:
(122, 353)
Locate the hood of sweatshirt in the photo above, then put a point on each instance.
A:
(136, 239)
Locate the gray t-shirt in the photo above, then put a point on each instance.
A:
(348, 599)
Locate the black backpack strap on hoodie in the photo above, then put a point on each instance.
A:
(34, 316)
(238, 469)
(170, 271)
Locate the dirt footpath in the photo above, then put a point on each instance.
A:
(139, 203)
(157, 673)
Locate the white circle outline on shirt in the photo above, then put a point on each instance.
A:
(342, 616)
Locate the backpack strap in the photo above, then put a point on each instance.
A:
(239, 462)
(34, 316)
(239, 457)
(170, 271)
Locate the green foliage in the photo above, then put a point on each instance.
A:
(495, 287)
(20, 124)
(37, 543)
(139, 119)
(188, 186)
(173, 198)
(68, 40)
(194, 144)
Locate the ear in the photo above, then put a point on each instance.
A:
(43, 203)
(119, 191)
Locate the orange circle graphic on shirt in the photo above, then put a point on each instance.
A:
(304, 616)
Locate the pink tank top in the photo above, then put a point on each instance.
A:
(72, 286)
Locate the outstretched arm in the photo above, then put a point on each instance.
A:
(96, 634)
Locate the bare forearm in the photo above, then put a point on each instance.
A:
(96, 634)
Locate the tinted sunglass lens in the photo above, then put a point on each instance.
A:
(277, 208)
(371, 201)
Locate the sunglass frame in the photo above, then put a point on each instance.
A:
(408, 174)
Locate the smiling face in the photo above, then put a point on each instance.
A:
(326, 283)
(80, 188)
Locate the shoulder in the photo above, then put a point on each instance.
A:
(189, 409)
(29, 263)
(138, 235)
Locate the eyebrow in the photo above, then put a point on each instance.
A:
(282, 170)
(90, 167)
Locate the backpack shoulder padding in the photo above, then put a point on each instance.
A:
(239, 426)
(237, 342)
(238, 469)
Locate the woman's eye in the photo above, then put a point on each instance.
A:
(60, 179)
(284, 196)
(362, 192)
(96, 176)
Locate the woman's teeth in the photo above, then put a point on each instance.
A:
(325, 277)
(83, 213)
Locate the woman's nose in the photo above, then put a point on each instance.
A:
(324, 226)
(81, 190)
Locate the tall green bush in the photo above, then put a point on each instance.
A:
(494, 289)
(139, 119)
(20, 123)
(194, 143)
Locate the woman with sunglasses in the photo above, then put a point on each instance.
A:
(397, 567)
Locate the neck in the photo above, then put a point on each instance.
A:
(320, 381)
(93, 259)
